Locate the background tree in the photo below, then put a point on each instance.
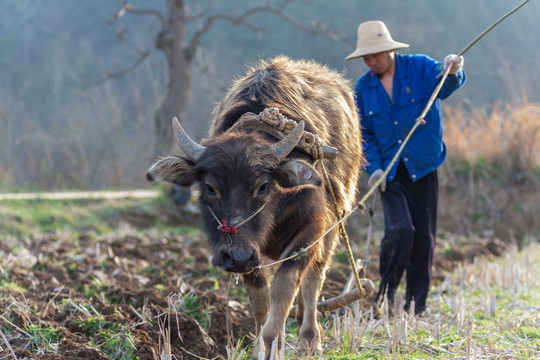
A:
(182, 28)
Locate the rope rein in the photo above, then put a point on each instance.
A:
(343, 232)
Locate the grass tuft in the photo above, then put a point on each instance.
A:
(118, 345)
(192, 306)
(43, 339)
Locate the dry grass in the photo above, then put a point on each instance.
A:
(492, 169)
(505, 135)
(483, 310)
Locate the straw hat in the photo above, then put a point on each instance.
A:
(373, 38)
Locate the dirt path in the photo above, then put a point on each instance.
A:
(66, 195)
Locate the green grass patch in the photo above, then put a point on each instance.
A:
(192, 306)
(12, 286)
(118, 345)
(113, 339)
(22, 218)
(43, 339)
(94, 325)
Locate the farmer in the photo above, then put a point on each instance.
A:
(390, 97)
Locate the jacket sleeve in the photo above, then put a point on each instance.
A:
(452, 82)
(370, 145)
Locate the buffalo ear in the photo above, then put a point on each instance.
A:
(173, 169)
(295, 172)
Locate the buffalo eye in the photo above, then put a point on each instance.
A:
(210, 190)
(263, 189)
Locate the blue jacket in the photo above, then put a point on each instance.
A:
(385, 124)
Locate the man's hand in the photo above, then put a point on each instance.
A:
(454, 62)
(377, 174)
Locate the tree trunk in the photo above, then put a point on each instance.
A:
(171, 40)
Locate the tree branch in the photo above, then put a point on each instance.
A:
(315, 29)
(126, 6)
(116, 75)
(240, 20)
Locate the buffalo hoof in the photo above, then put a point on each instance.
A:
(267, 349)
(309, 341)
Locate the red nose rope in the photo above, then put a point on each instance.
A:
(227, 229)
(233, 229)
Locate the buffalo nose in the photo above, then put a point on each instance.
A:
(241, 261)
(241, 257)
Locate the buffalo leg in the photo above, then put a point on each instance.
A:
(284, 288)
(309, 332)
(258, 291)
(299, 308)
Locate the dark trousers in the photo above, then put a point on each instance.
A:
(410, 221)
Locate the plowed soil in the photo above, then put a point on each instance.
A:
(138, 282)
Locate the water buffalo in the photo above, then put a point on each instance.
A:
(264, 199)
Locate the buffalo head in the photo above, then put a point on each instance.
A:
(245, 182)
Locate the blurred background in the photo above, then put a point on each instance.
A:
(82, 82)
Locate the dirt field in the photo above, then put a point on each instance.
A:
(137, 283)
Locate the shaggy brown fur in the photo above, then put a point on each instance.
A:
(309, 91)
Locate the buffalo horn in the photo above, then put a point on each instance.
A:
(285, 146)
(192, 149)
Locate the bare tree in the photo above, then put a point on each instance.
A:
(182, 28)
